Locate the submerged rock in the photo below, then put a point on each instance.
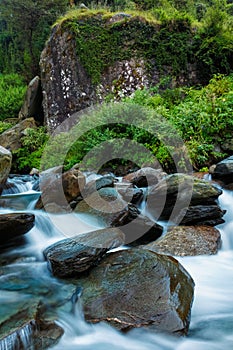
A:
(138, 288)
(188, 240)
(72, 256)
(13, 225)
(5, 166)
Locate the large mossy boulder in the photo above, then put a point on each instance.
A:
(94, 54)
(138, 288)
(5, 166)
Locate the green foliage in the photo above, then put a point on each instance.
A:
(29, 155)
(5, 126)
(12, 91)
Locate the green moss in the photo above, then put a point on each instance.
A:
(103, 38)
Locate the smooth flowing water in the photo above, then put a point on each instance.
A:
(211, 325)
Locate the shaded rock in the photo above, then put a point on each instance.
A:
(188, 240)
(72, 256)
(60, 189)
(11, 138)
(145, 177)
(114, 292)
(95, 185)
(223, 171)
(210, 215)
(15, 224)
(32, 105)
(171, 197)
(5, 166)
(105, 205)
(129, 193)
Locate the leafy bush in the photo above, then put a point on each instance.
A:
(12, 91)
(5, 126)
(29, 155)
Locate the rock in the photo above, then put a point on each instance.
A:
(95, 185)
(11, 138)
(224, 171)
(105, 205)
(114, 292)
(13, 225)
(60, 189)
(145, 177)
(129, 193)
(210, 215)
(32, 105)
(171, 197)
(5, 166)
(70, 84)
(188, 240)
(73, 256)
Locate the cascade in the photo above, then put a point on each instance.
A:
(211, 325)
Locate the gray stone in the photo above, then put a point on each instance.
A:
(73, 256)
(145, 177)
(224, 171)
(188, 240)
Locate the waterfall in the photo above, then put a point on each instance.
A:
(21, 339)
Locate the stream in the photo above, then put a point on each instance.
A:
(211, 326)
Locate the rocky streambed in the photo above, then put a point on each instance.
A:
(112, 245)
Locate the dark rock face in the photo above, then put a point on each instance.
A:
(114, 292)
(188, 240)
(5, 166)
(95, 185)
(72, 256)
(179, 195)
(15, 224)
(224, 171)
(32, 106)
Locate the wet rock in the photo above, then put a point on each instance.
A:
(5, 166)
(129, 193)
(145, 177)
(72, 256)
(11, 138)
(210, 215)
(32, 105)
(188, 240)
(114, 292)
(15, 224)
(171, 197)
(223, 171)
(105, 205)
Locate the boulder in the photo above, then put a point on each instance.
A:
(129, 193)
(223, 171)
(32, 105)
(11, 138)
(174, 194)
(5, 166)
(138, 288)
(13, 225)
(75, 255)
(188, 240)
(145, 177)
(60, 189)
(210, 215)
(95, 185)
